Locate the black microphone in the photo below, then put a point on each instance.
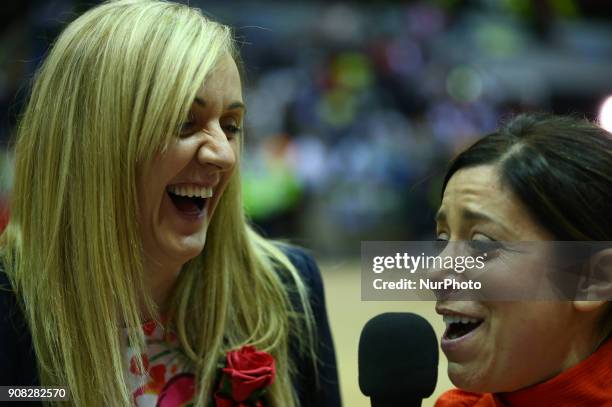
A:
(398, 360)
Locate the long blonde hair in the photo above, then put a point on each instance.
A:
(111, 94)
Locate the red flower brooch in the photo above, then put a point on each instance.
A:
(245, 378)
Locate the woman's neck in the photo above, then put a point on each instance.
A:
(159, 281)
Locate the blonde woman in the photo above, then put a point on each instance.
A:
(129, 271)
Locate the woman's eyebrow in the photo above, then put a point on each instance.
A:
(471, 215)
(237, 105)
(231, 106)
(481, 216)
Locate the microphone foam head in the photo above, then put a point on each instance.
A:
(398, 357)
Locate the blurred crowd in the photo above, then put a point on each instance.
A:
(355, 109)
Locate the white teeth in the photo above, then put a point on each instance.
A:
(455, 319)
(191, 191)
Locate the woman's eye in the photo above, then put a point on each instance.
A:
(187, 127)
(484, 246)
(442, 237)
(233, 130)
(441, 243)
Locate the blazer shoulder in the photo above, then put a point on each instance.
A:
(316, 387)
(305, 265)
(9, 307)
(17, 355)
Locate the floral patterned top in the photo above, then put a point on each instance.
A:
(167, 380)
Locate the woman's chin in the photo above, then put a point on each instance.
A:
(476, 381)
(187, 248)
(466, 378)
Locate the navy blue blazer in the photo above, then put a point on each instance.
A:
(18, 363)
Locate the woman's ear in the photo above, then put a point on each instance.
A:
(595, 289)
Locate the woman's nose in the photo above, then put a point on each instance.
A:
(440, 272)
(216, 150)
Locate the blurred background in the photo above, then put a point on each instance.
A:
(355, 108)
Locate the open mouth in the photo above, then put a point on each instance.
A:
(189, 200)
(458, 326)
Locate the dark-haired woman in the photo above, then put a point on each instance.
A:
(539, 178)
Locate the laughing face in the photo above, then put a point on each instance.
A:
(180, 189)
(502, 346)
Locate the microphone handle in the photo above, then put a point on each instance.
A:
(408, 402)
